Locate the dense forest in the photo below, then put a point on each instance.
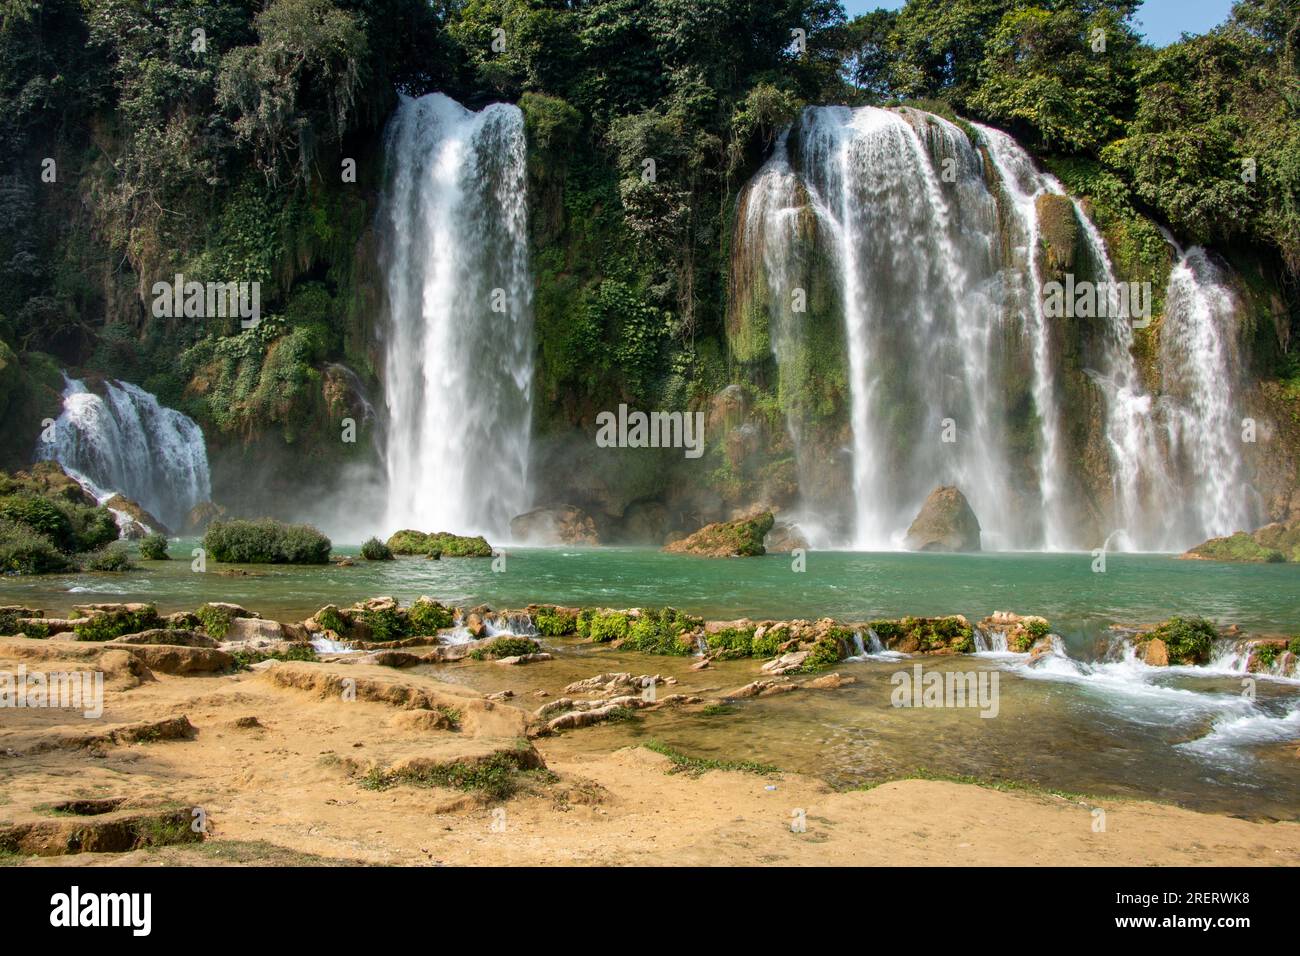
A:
(144, 138)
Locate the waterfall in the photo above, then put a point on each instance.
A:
(458, 338)
(126, 442)
(932, 232)
(901, 209)
(1198, 364)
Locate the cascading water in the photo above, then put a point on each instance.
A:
(1198, 365)
(902, 209)
(127, 442)
(458, 340)
(935, 237)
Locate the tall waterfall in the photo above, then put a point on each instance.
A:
(957, 375)
(127, 442)
(458, 340)
(1198, 363)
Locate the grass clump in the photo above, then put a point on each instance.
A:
(496, 777)
(1188, 640)
(731, 642)
(664, 631)
(111, 558)
(553, 622)
(154, 548)
(386, 623)
(827, 650)
(265, 541)
(376, 550)
(24, 551)
(215, 620)
(504, 647)
(428, 617)
(683, 763)
(106, 625)
(607, 626)
(298, 652)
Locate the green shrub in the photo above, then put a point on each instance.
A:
(265, 541)
(1188, 639)
(154, 548)
(376, 550)
(583, 626)
(731, 642)
(42, 516)
(769, 644)
(826, 650)
(609, 626)
(1266, 654)
(1293, 645)
(24, 551)
(428, 617)
(661, 632)
(215, 620)
(505, 647)
(386, 624)
(111, 558)
(106, 625)
(332, 618)
(1038, 628)
(92, 528)
(552, 622)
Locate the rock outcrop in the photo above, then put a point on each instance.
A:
(742, 538)
(562, 524)
(945, 523)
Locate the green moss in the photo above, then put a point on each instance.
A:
(1238, 547)
(408, 542)
(583, 626)
(827, 650)
(731, 642)
(106, 625)
(458, 545)
(505, 647)
(926, 634)
(299, 652)
(386, 623)
(694, 766)
(331, 618)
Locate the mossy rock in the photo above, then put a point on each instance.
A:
(926, 635)
(1262, 547)
(408, 541)
(728, 539)
(1187, 640)
(1058, 230)
(458, 545)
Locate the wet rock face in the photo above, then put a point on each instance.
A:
(945, 523)
(562, 524)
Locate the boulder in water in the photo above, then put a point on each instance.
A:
(134, 521)
(202, 515)
(945, 523)
(727, 539)
(562, 524)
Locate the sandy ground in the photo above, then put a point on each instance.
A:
(289, 790)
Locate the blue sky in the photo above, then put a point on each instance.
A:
(1161, 21)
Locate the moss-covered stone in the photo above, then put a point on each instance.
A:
(1185, 640)
(927, 635)
(727, 539)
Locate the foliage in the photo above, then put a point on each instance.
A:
(215, 620)
(24, 551)
(694, 766)
(428, 617)
(265, 541)
(153, 547)
(662, 631)
(606, 626)
(106, 625)
(555, 622)
(458, 545)
(1188, 639)
(385, 623)
(111, 558)
(298, 652)
(376, 550)
(505, 647)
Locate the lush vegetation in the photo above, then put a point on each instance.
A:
(223, 156)
(265, 541)
(106, 625)
(376, 550)
(1188, 640)
(153, 547)
(46, 520)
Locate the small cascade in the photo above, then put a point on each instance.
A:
(125, 442)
